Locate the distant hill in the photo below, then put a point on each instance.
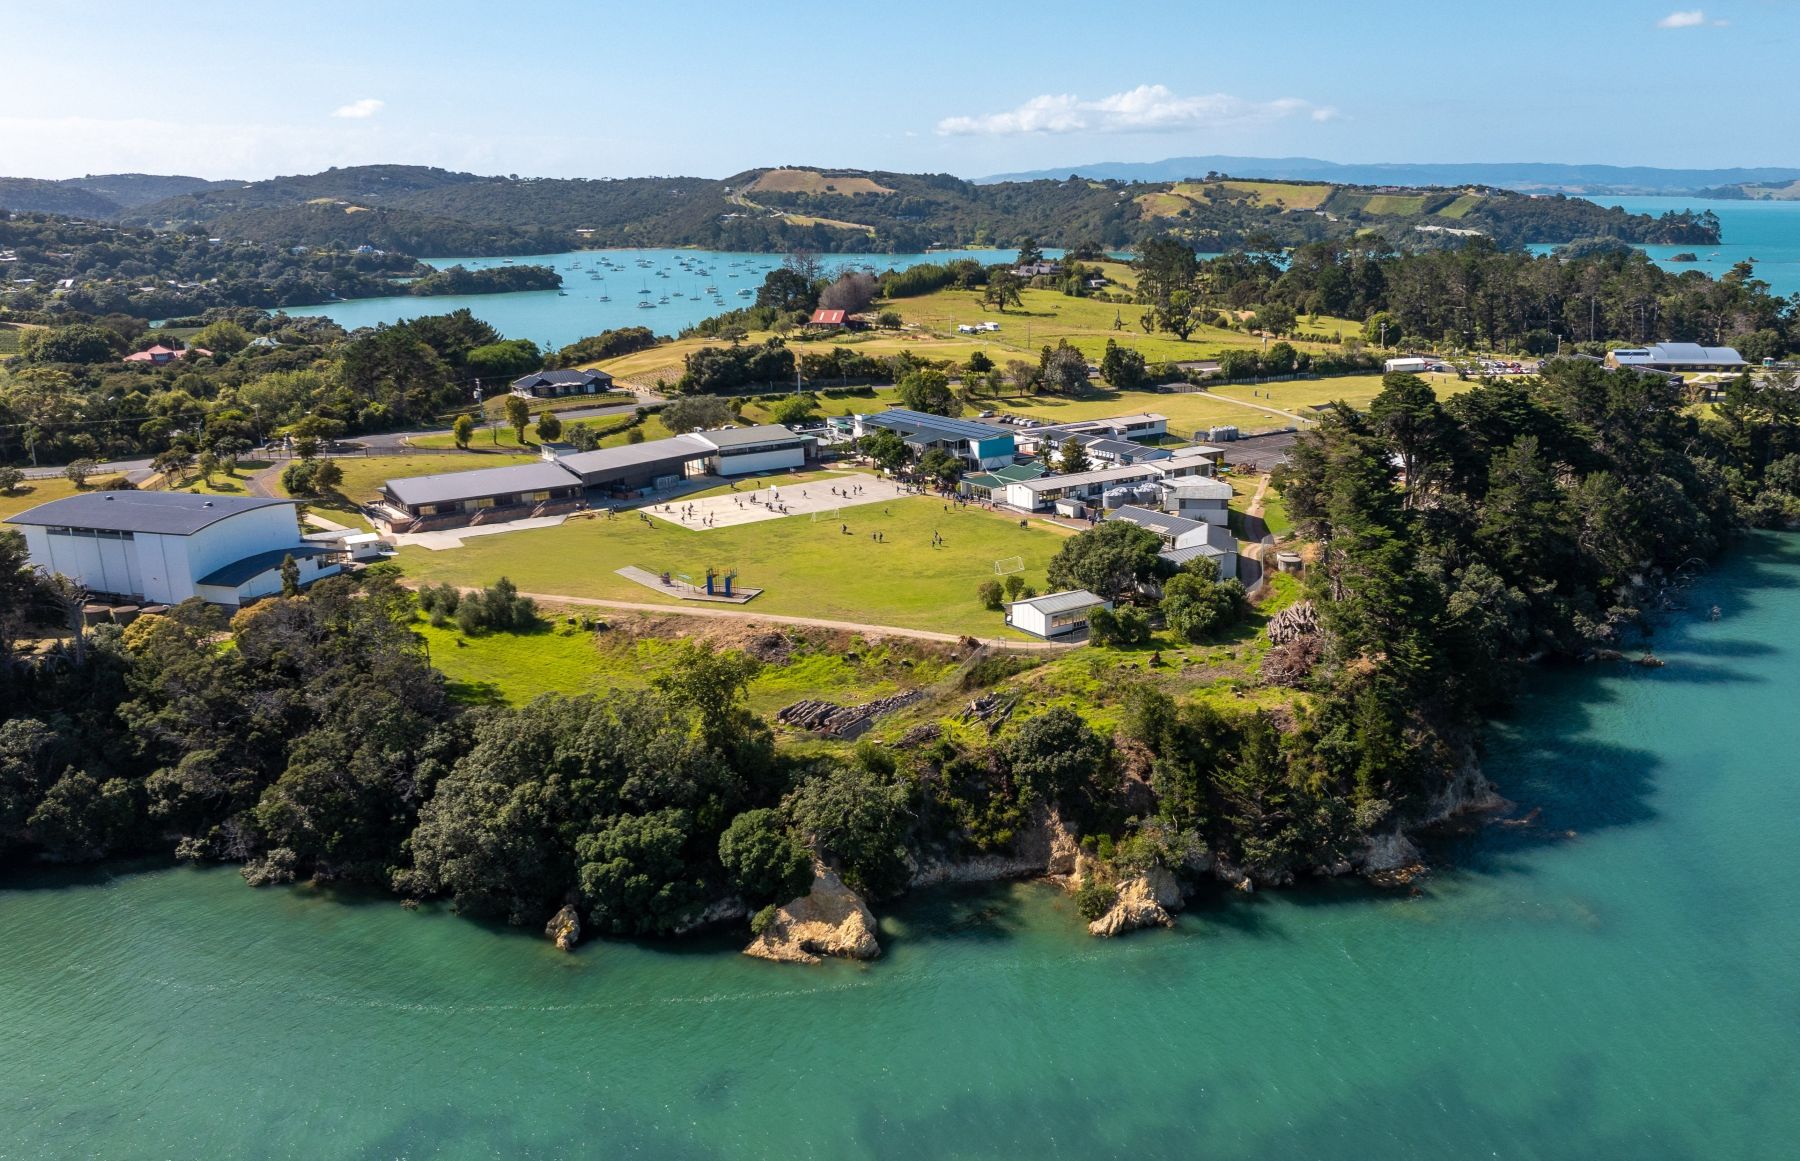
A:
(1530, 177)
(130, 190)
(104, 195)
(1757, 191)
(34, 195)
(435, 213)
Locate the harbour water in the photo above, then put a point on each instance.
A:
(1617, 980)
(555, 319)
(1767, 233)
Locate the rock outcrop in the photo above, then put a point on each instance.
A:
(564, 927)
(830, 919)
(1144, 901)
(1044, 847)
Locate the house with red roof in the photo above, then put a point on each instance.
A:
(833, 319)
(159, 355)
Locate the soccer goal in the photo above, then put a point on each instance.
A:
(828, 516)
(1009, 564)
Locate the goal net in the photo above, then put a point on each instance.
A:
(828, 516)
(1008, 564)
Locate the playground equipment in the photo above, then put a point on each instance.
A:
(725, 580)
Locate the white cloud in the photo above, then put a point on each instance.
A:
(357, 110)
(1693, 18)
(1145, 109)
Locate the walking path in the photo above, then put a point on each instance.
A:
(775, 619)
(1299, 420)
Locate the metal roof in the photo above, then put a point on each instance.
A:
(1013, 473)
(1204, 487)
(1180, 556)
(1159, 522)
(1062, 602)
(738, 436)
(1124, 449)
(921, 420)
(1684, 354)
(158, 513)
(551, 378)
(1102, 476)
(446, 487)
(251, 567)
(637, 455)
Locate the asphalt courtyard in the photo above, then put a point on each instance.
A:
(756, 500)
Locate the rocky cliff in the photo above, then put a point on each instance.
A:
(830, 919)
(1144, 901)
(1044, 847)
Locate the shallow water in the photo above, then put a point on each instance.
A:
(555, 320)
(1619, 980)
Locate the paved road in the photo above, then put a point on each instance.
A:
(381, 441)
(109, 468)
(389, 440)
(814, 622)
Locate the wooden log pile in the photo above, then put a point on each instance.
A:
(1294, 622)
(991, 709)
(842, 721)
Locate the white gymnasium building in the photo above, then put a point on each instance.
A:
(161, 548)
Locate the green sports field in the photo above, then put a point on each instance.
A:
(807, 568)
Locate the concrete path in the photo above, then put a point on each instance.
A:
(774, 619)
(454, 537)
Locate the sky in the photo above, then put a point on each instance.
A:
(604, 89)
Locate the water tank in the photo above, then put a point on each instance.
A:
(1119, 497)
(1222, 434)
(1149, 494)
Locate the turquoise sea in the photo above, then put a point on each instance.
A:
(1619, 980)
(554, 320)
(1768, 233)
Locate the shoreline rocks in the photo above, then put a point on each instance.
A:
(830, 919)
(1144, 901)
(564, 928)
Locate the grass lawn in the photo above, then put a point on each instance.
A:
(496, 406)
(1186, 411)
(1094, 681)
(808, 568)
(562, 658)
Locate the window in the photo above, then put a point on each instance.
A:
(91, 533)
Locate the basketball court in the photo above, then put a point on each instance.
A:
(755, 500)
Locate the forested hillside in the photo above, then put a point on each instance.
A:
(435, 213)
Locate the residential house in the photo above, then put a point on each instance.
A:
(556, 384)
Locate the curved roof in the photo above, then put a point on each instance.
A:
(160, 513)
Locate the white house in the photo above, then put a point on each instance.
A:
(165, 547)
(1054, 614)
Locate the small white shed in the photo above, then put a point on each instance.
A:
(1054, 614)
